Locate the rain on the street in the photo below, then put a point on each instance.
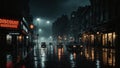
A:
(59, 34)
(56, 57)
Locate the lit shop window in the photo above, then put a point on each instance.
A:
(92, 38)
(109, 39)
(104, 39)
(84, 38)
(114, 37)
(9, 39)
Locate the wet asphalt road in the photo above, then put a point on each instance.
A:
(56, 57)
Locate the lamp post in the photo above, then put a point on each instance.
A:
(37, 31)
(31, 34)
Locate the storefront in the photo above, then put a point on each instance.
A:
(13, 39)
(107, 34)
(108, 39)
(88, 39)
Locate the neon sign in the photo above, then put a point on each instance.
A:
(6, 23)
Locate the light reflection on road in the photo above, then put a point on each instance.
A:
(99, 57)
(60, 53)
(72, 60)
(104, 56)
(43, 57)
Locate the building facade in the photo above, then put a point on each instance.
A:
(60, 29)
(15, 32)
(93, 24)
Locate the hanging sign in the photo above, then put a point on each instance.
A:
(25, 29)
(6, 23)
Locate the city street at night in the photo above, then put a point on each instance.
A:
(59, 34)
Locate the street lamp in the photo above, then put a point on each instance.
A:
(40, 30)
(31, 26)
(37, 23)
(38, 19)
(50, 37)
(48, 22)
(37, 31)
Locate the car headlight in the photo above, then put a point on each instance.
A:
(74, 46)
(81, 46)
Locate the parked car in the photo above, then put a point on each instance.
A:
(43, 44)
(74, 46)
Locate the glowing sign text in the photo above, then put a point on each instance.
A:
(9, 23)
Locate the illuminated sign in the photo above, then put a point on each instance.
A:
(24, 28)
(6, 23)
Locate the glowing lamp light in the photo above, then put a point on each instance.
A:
(20, 37)
(40, 30)
(74, 46)
(48, 22)
(98, 32)
(31, 26)
(38, 19)
(27, 37)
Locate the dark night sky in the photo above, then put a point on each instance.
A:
(51, 9)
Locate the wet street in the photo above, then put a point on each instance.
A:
(59, 57)
(59, 34)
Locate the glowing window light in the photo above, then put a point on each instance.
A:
(97, 32)
(92, 38)
(109, 34)
(9, 37)
(114, 35)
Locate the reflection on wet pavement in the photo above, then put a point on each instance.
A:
(54, 57)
